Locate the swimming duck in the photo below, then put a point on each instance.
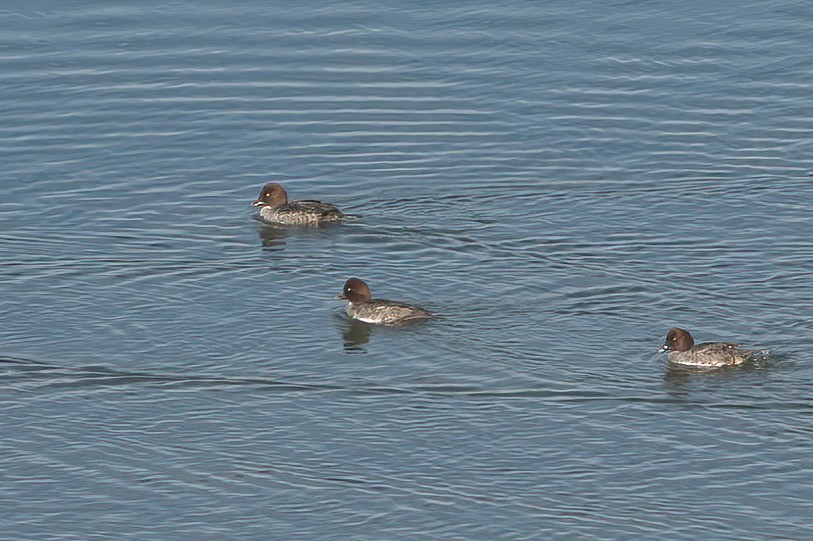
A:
(361, 306)
(276, 208)
(680, 345)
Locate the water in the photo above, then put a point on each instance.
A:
(561, 182)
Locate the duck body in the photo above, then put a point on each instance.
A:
(385, 312)
(711, 354)
(302, 212)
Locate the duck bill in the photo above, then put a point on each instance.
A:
(258, 203)
(340, 297)
(664, 349)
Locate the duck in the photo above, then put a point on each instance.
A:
(362, 306)
(680, 345)
(275, 208)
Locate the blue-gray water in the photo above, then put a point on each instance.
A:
(560, 181)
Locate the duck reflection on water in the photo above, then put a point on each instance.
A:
(272, 237)
(354, 333)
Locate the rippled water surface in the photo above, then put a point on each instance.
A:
(560, 182)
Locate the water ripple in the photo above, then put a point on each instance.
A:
(559, 183)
